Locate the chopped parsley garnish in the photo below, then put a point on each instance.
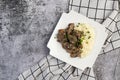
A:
(66, 35)
(78, 23)
(88, 31)
(79, 42)
(89, 37)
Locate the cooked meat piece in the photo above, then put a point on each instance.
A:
(67, 45)
(69, 51)
(76, 53)
(70, 28)
(70, 40)
(77, 33)
(61, 35)
(73, 55)
(80, 46)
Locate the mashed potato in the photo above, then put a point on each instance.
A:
(88, 38)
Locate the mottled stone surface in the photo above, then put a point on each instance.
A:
(25, 28)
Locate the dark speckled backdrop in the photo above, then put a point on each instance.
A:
(25, 28)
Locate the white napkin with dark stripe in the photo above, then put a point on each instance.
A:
(103, 11)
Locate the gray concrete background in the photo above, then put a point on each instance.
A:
(25, 28)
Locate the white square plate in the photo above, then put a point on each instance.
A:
(57, 51)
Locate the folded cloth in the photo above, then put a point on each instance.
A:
(103, 11)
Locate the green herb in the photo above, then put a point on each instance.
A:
(80, 41)
(66, 35)
(88, 31)
(89, 37)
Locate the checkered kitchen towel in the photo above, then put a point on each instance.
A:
(102, 11)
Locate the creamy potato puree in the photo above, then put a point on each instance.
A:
(88, 38)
